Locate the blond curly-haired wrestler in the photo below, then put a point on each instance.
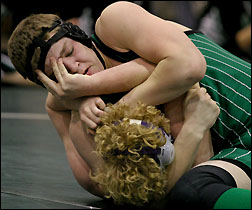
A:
(129, 142)
(131, 47)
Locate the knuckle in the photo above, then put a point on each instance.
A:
(96, 112)
(100, 101)
(59, 93)
(85, 110)
(83, 116)
(64, 88)
(93, 126)
(218, 110)
(97, 120)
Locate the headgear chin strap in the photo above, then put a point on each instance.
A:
(167, 151)
(162, 155)
(66, 30)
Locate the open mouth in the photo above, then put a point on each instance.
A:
(86, 71)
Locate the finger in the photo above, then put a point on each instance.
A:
(90, 119)
(90, 123)
(195, 86)
(48, 83)
(96, 120)
(100, 103)
(190, 94)
(93, 115)
(62, 67)
(214, 103)
(90, 131)
(203, 90)
(216, 108)
(208, 96)
(55, 69)
(97, 112)
(106, 109)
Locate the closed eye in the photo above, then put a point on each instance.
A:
(70, 53)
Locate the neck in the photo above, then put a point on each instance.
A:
(109, 63)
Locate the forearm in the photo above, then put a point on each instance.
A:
(80, 169)
(200, 114)
(60, 119)
(171, 78)
(120, 78)
(186, 146)
(59, 105)
(205, 150)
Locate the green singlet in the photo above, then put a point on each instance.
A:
(228, 81)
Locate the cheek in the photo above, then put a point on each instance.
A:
(47, 69)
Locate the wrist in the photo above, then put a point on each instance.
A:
(84, 86)
(193, 130)
(73, 104)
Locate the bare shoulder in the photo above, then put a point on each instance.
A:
(119, 8)
(127, 26)
(113, 19)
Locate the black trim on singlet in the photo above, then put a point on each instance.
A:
(122, 56)
(192, 32)
(113, 97)
(118, 56)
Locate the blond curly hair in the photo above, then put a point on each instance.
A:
(133, 178)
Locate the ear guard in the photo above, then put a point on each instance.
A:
(66, 30)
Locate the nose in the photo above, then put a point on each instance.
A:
(70, 65)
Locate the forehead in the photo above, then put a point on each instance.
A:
(56, 48)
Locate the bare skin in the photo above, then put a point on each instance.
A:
(155, 53)
(166, 46)
(241, 178)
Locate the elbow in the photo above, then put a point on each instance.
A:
(49, 111)
(195, 66)
(47, 108)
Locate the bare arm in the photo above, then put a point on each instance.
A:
(200, 113)
(186, 147)
(174, 112)
(113, 80)
(120, 78)
(164, 84)
(61, 120)
(179, 63)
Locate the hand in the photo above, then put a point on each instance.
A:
(200, 111)
(69, 86)
(90, 110)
